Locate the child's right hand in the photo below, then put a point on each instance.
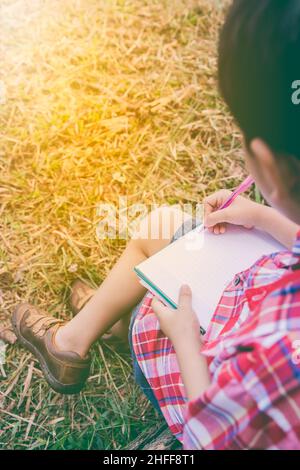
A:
(241, 212)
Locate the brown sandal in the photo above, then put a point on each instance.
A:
(65, 371)
(81, 293)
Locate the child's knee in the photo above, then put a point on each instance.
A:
(161, 224)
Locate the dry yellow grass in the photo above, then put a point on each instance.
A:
(105, 98)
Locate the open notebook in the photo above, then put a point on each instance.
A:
(207, 263)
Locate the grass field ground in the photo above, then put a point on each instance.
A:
(100, 99)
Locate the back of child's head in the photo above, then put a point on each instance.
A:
(259, 66)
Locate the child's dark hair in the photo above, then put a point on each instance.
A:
(259, 63)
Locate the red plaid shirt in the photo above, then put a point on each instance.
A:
(253, 350)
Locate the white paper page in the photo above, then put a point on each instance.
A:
(207, 263)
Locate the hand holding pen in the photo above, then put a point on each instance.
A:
(227, 207)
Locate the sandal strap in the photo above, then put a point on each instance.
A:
(40, 324)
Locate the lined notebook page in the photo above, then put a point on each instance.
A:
(207, 263)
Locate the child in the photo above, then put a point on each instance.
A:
(238, 387)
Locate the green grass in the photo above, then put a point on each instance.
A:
(104, 99)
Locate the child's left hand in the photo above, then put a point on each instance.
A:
(181, 324)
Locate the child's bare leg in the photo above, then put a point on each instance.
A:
(121, 290)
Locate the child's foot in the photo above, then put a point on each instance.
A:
(81, 293)
(65, 371)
